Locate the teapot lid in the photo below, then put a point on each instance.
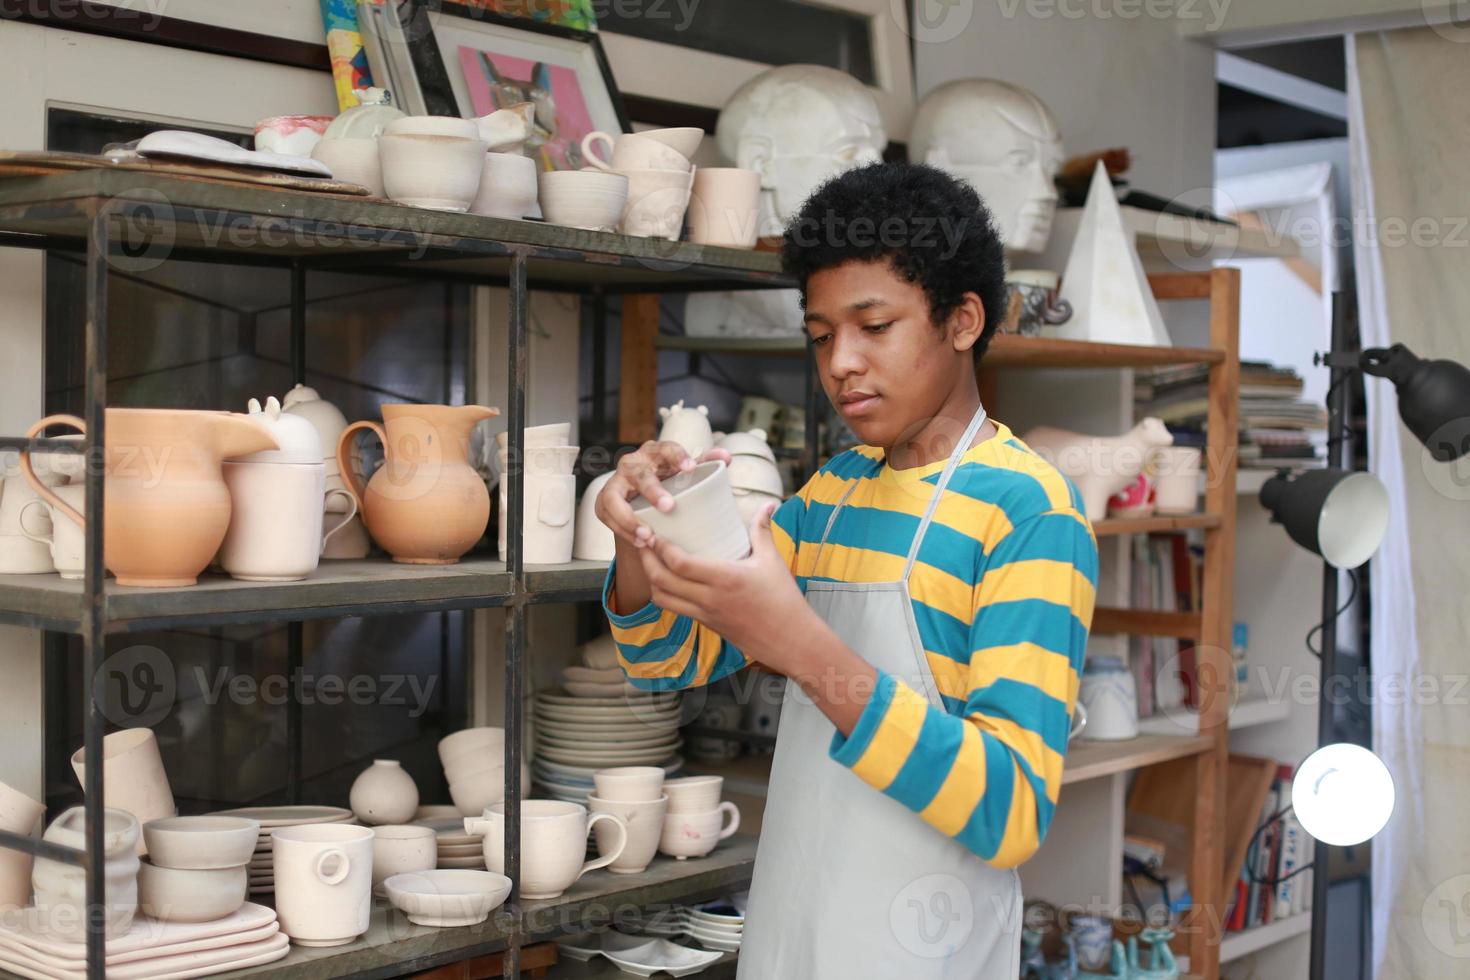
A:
(296, 436)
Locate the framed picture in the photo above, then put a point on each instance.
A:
(470, 61)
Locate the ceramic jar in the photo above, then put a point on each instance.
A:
(384, 794)
(324, 882)
(426, 504)
(593, 540)
(644, 820)
(19, 814)
(705, 520)
(1109, 699)
(553, 843)
(507, 186)
(166, 504)
(399, 849)
(64, 541)
(687, 835)
(133, 777)
(689, 427)
(275, 532)
(725, 207)
(61, 889)
(1176, 479)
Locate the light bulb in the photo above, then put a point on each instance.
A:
(1342, 794)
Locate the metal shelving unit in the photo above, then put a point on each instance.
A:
(107, 214)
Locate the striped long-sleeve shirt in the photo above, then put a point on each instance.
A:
(1002, 592)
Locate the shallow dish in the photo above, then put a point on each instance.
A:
(201, 843)
(447, 899)
(661, 956)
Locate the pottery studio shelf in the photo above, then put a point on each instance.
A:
(189, 218)
(394, 947)
(337, 588)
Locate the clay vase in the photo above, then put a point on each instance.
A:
(1099, 466)
(426, 505)
(166, 504)
(61, 889)
(384, 794)
(133, 777)
(19, 814)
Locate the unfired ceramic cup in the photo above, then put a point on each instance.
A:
(507, 186)
(551, 434)
(657, 203)
(553, 843)
(694, 794)
(724, 208)
(399, 849)
(324, 882)
(644, 820)
(684, 140)
(352, 160)
(589, 199)
(133, 777)
(631, 151)
(19, 814)
(687, 835)
(66, 542)
(624, 784)
(705, 520)
(1176, 479)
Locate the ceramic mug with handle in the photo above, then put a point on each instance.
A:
(630, 151)
(66, 541)
(553, 842)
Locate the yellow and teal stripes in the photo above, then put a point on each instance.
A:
(1003, 591)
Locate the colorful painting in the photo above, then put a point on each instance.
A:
(496, 81)
(344, 43)
(576, 14)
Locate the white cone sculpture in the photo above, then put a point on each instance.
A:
(1105, 282)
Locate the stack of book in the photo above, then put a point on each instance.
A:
(1277, 427)
(1166, 575)
(1268, 890)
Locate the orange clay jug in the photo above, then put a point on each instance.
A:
(425, 505)
(165, 504)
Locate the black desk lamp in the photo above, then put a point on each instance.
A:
(1342, 516)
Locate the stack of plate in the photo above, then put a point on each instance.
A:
(576, 736)
(457, 849)
(715, 926)
(591, 682)
(262, 870)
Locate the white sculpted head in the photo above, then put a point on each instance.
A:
(797, 125)
(1003, 140)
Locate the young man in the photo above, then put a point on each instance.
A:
(928, 595)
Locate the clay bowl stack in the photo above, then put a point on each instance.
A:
(262, 869)
(754, 475)
(577, 736)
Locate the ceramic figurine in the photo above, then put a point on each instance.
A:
(425, 505)
(1034, 302)
(1161, 962)
(1004, 142)
(1099, 466)
(167, 507)
(689, 427)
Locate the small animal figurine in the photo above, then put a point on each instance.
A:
(1099, 466)
(689, 427)
(1161, 962)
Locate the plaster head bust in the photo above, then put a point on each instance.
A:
(797, 125)
(1003, 140)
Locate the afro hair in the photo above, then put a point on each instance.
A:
(932, 229)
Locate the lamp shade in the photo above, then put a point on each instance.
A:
(1432, 394)
(1342, 794)
(1339, 515)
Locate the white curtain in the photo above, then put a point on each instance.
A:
(1410, 130)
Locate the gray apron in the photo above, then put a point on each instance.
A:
(848, 882)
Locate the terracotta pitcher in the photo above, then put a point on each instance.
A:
(166, 504)
(426, 505)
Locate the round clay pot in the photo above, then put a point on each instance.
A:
(19, 814)
(324, 882)
(133, 777)
(61, 889)
(384, 794)
(401, 849)
(178, 895)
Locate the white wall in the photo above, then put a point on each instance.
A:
(298, 20)
(1245, 22)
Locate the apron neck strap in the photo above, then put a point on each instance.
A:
(962, 447)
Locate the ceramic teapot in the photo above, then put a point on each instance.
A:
(166, 504)
(425, 505)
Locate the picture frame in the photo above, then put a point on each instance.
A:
(468, 61)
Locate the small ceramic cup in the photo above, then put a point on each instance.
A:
(19, 814)
(1176, 479)
(657, 203)
(644, 820)
(323, 881)
(631, 151)
(589, 199)
(629, 784)
(724, 208)
(399, 849)
(507, 186)
(476, 742)
(353, 160)
(66, 541)
(694, 794)
(687, 835)
(705, 520)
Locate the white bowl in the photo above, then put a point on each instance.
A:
(433, 126)
(440, 173)
(685, 140)
(600, 652)
(694, 794)
(449, 898)
(587, 199)
(507, 186)
(176, 895)
(353, 160)
(468, 740)
(752, 443)
(756, 474)
(657, 203)
(201, 843)
(472, 794)
(704, 520)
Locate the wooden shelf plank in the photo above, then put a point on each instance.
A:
(1247, 713)
(794, 346)
(395, 947)
(1248, 941)
(1146, 622)
(1014, 350)
(1087, 759)
(1160, 522)
(337, 588)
